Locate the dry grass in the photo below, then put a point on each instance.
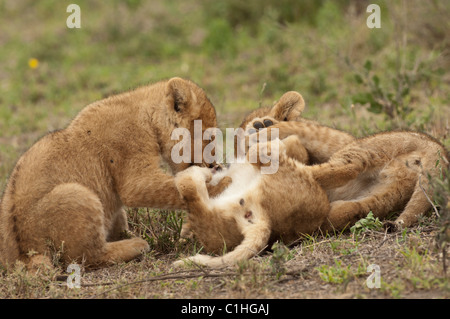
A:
(411, 266)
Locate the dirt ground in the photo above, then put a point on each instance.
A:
(407, 264)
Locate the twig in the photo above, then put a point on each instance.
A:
(444, 257)
(428, 198)
(158, 278)
(175, 276)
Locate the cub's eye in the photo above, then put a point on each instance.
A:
(268, 123)
(258, 125)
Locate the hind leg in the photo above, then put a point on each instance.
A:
(211, 227)
(119, 228)
(202, 175)
(256, 237)
(347, 164)
(417, 206)
(70, 219)
(383, 199)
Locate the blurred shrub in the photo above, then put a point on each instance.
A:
(392, 93)
(249, 13)
(220, 38)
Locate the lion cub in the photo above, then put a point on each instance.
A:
(67, 192)
(393, 186)
(381, 173)
(255, 209)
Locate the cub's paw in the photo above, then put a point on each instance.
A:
(196, 172)
(139, 244)
(186, 187)
(266, 153)
(199, 260)
(256, 132)
(180, 263)
(185, 262)
(393, 226)
(199, 173)
(258, 124)
(192, 175)
(186, 232)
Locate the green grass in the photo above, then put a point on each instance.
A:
(244, 54)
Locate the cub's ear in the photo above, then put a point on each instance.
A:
(289, 107)
(179, 93)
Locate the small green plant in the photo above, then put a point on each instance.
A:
(340, 274)
(336, 274)
(395, 288)
(365, 224)
(343, 246)
(279, 257)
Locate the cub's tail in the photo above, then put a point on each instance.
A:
(256, 237)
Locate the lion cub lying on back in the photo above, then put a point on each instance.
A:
(378, 172)
(390, 187)
(255, 209)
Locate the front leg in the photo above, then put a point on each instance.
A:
(150, 188)
(192, 182)
(141, 182)
(214, 190)
(188, 183)
(295, 149)
(279, 130)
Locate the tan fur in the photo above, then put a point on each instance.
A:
(381, 189)
(255, 209)
(381, 173)
(319, 142)
(67, 192)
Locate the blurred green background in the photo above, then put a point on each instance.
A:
(243, 53)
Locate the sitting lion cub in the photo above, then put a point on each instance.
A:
(380, 173)
(67, 192)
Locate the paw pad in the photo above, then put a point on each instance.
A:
(258, 125)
